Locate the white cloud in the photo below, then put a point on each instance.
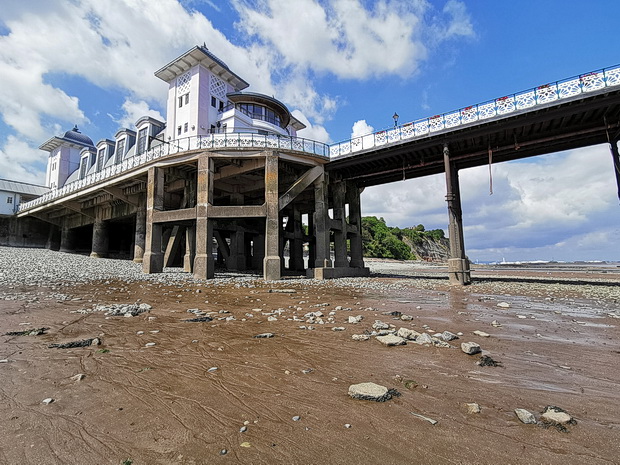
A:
(313, 132)
(19, 161)
(133, 111)
(361, 128)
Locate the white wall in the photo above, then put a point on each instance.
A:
(7, 208)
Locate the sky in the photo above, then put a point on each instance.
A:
(343, 67)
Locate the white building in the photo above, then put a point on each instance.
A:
(204, 98)
(12, 193)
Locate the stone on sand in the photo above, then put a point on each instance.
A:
(369, 391)
(391, 340)
(525, 416)
(470, 348)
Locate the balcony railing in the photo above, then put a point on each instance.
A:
(494, 109)
(212, 141)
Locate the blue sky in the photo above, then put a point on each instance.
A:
(338, 64)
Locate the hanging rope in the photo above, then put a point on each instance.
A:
(490, 170)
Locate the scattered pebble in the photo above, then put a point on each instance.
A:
(47, 401)
(525, 416)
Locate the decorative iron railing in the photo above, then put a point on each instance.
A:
(494, 109)
(211, 141)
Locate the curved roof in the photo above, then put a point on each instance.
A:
(76, 136)
(250, 97)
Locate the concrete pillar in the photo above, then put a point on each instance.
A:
(204, 266)
(321, 218)
(140, 234)
(616, 160)
(99, 248)
(340, 235)
(296, 248)
(153, 261)
(53, 238)
(67, 240)
(458, 265)
(190, 248)
(271, 262)
(355, 219)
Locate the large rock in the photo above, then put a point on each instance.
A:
(369, 391)
(424, 338)
(448, 336)
(555, 415)
(355, 319)
(391, 340)
(525, 416)
(378, 325)
(470, 348)
(360, 337)
(408, 334)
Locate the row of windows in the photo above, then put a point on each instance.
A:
(183, 128)
(182, 99)
(216, 103)
(259, 112)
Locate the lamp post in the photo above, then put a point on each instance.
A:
(395, 119)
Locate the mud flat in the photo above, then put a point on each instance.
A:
(154, 388)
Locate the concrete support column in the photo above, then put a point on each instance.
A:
(296, 248)
(53, 238)
(321, 218)
(140, 234)
(67, 240)
(190, 248)
(355, 219)
(99, 248)
(458, 265)
(616, 160)
(340, 236)
(204, 266)
(153, 261)
(271, 262)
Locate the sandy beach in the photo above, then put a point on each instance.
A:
(162, 390)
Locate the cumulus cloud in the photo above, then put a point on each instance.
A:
(312, 131)
(361, 128)
(133, 111)
(19, 161)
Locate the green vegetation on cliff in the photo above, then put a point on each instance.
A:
(382, 241)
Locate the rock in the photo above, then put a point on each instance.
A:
(355, 319)
(486, 361)
(406, 317)
(245, 444)
(470, 348)
(369, 391)
(223, 452)
(78, 377)
(149, 344)
(407, 333)
(525, 416)
(422, 417)
(503, 305)
(495, 324)
(481, 333)
(347, 425)
(263, 336)
(296, 418)
(272, 318)
(360, 337)
(556, 416)
(212, 369)
(383, 332)
(47, 401)
(473, 408)
(439, 343)
(243, 429)
(424, 338)
(448, 336)
(338, 328)
(380, 325)
(391, 340)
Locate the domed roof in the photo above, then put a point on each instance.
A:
(76, 136)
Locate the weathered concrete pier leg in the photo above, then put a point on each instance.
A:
(616, 159)
(321, 229)
(153, 261)
(53, 238)
(355, 219)
(204, 266)
(140, 232)
(67, 240)
(271, 262)
(340, 232)
(190, 248)
(458, 264)
(101, 240)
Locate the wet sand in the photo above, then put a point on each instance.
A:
(161, 405)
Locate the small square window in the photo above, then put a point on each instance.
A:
(185, 127)
(179, 130)
(9, 200)
(213, 102)
(186, 98)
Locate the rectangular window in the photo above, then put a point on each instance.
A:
(185, 127)
(120, 150)
(221, 106)
(186, 98)
(179, 131)
(213, 131)
(100, 156)
(213, 102)
(180, 101)
(142, 134)
(9, 200)
(83, 168)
